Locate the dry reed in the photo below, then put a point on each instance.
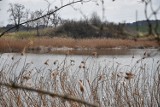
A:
(17, 45)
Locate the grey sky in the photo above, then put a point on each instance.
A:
(118, 11)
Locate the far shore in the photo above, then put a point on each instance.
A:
(74, 46)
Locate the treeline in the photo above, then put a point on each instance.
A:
(87, 28)
(92, 27)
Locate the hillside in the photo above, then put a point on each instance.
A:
(143, 25)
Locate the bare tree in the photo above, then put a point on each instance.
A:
(55, 19)
(27, 16)
(38, 22)
(16, 14)
(32, 23)
(47, 18)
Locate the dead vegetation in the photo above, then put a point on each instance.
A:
(17, 45)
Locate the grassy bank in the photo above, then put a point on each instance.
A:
(18, 45)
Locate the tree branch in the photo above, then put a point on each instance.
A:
(66, 97)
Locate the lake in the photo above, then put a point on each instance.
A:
(122, 58)
(131, 61)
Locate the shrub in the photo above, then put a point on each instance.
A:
(76, 29)
(90, 29)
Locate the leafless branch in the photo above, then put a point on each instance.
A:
(154, 12)
(65, 97)
(146, 2)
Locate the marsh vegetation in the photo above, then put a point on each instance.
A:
(62, 45)
(58, 80)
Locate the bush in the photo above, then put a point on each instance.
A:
(89, 29)
(76, 29)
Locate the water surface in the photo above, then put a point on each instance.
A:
(50, 61)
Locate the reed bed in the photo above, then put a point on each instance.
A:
(17, 45)
(65, 84)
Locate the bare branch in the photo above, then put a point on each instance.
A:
(66, 97)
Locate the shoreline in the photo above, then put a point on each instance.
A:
(93, 52)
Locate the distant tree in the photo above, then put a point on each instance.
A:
(95, 20)
(47, 18)
(38, 22)
(26, 17)
(52, 19)
(16, 14)
(55, 19)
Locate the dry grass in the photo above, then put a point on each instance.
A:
(12, 45)
(111, 85)
(17, 45)
(112, 43)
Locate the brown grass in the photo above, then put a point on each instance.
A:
(17, 45)
(12, 44)
(112, 43)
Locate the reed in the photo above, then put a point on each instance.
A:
(17, 45)
(56, 83)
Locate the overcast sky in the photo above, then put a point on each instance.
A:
(118, 11)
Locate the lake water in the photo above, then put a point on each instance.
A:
(51, 61)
